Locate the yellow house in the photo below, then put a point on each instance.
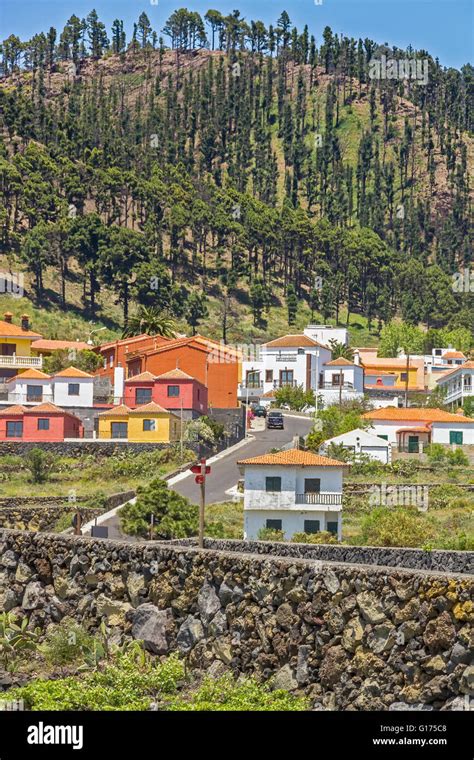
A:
(398, 367)
(114, 422)
(150, 423)
(15, 346)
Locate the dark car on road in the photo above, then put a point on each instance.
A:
(259, 411)
(275, 420)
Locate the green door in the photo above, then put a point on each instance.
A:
(413, 445)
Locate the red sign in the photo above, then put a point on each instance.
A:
(200, 479)
(196, 469)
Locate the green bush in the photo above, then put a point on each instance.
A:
(173, 515)
(322, 537)
(395, 527)
(226, 694)
(405, 468)
(122, 684)
(40, 464)
(15, 639)
(270, 534)
(457, 458)
(66, 643)
(294, 396)
(435, 453)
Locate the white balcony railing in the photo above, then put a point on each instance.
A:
(21, 362)
(319, 498)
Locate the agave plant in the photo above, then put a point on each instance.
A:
(15, 638)
(152, 321)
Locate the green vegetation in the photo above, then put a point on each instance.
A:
(87, 361)
(159, 512)
(336, 420)
(322, 537)
(270, 534)
(40, 464)
(294, 397)
(15, 640)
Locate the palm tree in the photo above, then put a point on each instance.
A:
(341, 351)
(150, 320)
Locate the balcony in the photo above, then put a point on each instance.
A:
(335, 387)
(286, 358)
(24, 398)
(324, 499)
(21, 362)
(252, 389)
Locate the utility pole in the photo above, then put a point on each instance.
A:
(202, 505)
(341, 377)
(181, 432)
(407, 379)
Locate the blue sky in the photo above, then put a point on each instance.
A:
(444, 27)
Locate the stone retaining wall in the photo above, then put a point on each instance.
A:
(350, 636)
(437, 559)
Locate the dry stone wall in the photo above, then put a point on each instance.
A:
(351, 636)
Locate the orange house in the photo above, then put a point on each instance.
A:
(216, 366)
(116, 353)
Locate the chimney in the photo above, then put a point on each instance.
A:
(25, 322)
(8, 317)
(356, 357)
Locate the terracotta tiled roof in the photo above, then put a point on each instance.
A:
(466, 365)
(453, 355)
(31, 374)
(381, 372)
(14, 410)
(117, 411)
(44, 344)
(123, 341)
(149, 409)
(9, 330)
(143, 377)
(293, 341)
(46, 406)
(269, 394)
(340, 362)
(175, 374)
(415, 414)
(294, 457)
(72, 372)
(421, 429)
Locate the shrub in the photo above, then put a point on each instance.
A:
(457, 457)
(322, 537)
(405, 468)
(66, 643)
(226, 694)
(40, 464)
(15, 639)
(122, 684)
(294, 396)
(435, 453)
(364, 465)
(173, 515)
(270, 534)
(395, 527)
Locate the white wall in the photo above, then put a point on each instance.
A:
(325, 333)
(17, 391)
(86, 391)
(441, 432)
(292, 522)
(277, 359)
(292, 483)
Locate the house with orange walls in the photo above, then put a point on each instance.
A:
(116, 353)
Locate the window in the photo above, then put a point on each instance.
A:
(119, 429)
(142, 396)
(14, 429)
(337, 379)
(312, 485)
(43, 424)
(385, 437)
(273, 524)
(252, 379)
(34, 393)
(7, 349)
(455, 436)
(199, 394)
(403, 376)
(111, 360)
(286, 377)
(272, 484)
(173, 391)
(301, 351)
(149, 425)
(73, 389)
(269, 376)
(311, 526)
(331, 527)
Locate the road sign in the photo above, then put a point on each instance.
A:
(199, 479)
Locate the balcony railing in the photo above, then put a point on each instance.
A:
(335, 387)
(284, 384)
(319, 498)
(286, 358)
(18, 362)
(25, 398)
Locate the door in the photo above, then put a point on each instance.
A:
(286, 377)
(7, 349)
(413, 444)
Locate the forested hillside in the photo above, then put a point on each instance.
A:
(235, 175)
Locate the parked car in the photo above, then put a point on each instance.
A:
(275, 420)
(259, 411)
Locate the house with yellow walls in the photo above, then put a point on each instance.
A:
(149, 423)
(15, 347)
(378, 366)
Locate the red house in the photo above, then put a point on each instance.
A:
(42, 423)
(174, 390)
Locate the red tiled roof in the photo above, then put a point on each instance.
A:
(143, 377)
(72, 372)
(16, 409)
(415, 414)
(293, 341)
(117, 411)
(9, 330)
(295, 458)
(31, 374)
(44, 344)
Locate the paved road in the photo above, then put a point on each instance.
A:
(225, 473)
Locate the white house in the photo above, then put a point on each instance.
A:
(361, 442)
(289, 360)
(294, 491)
(412, 428)
(342, 379)
(30, 387)
(458, 383)
(325, 333)
(73, 387)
